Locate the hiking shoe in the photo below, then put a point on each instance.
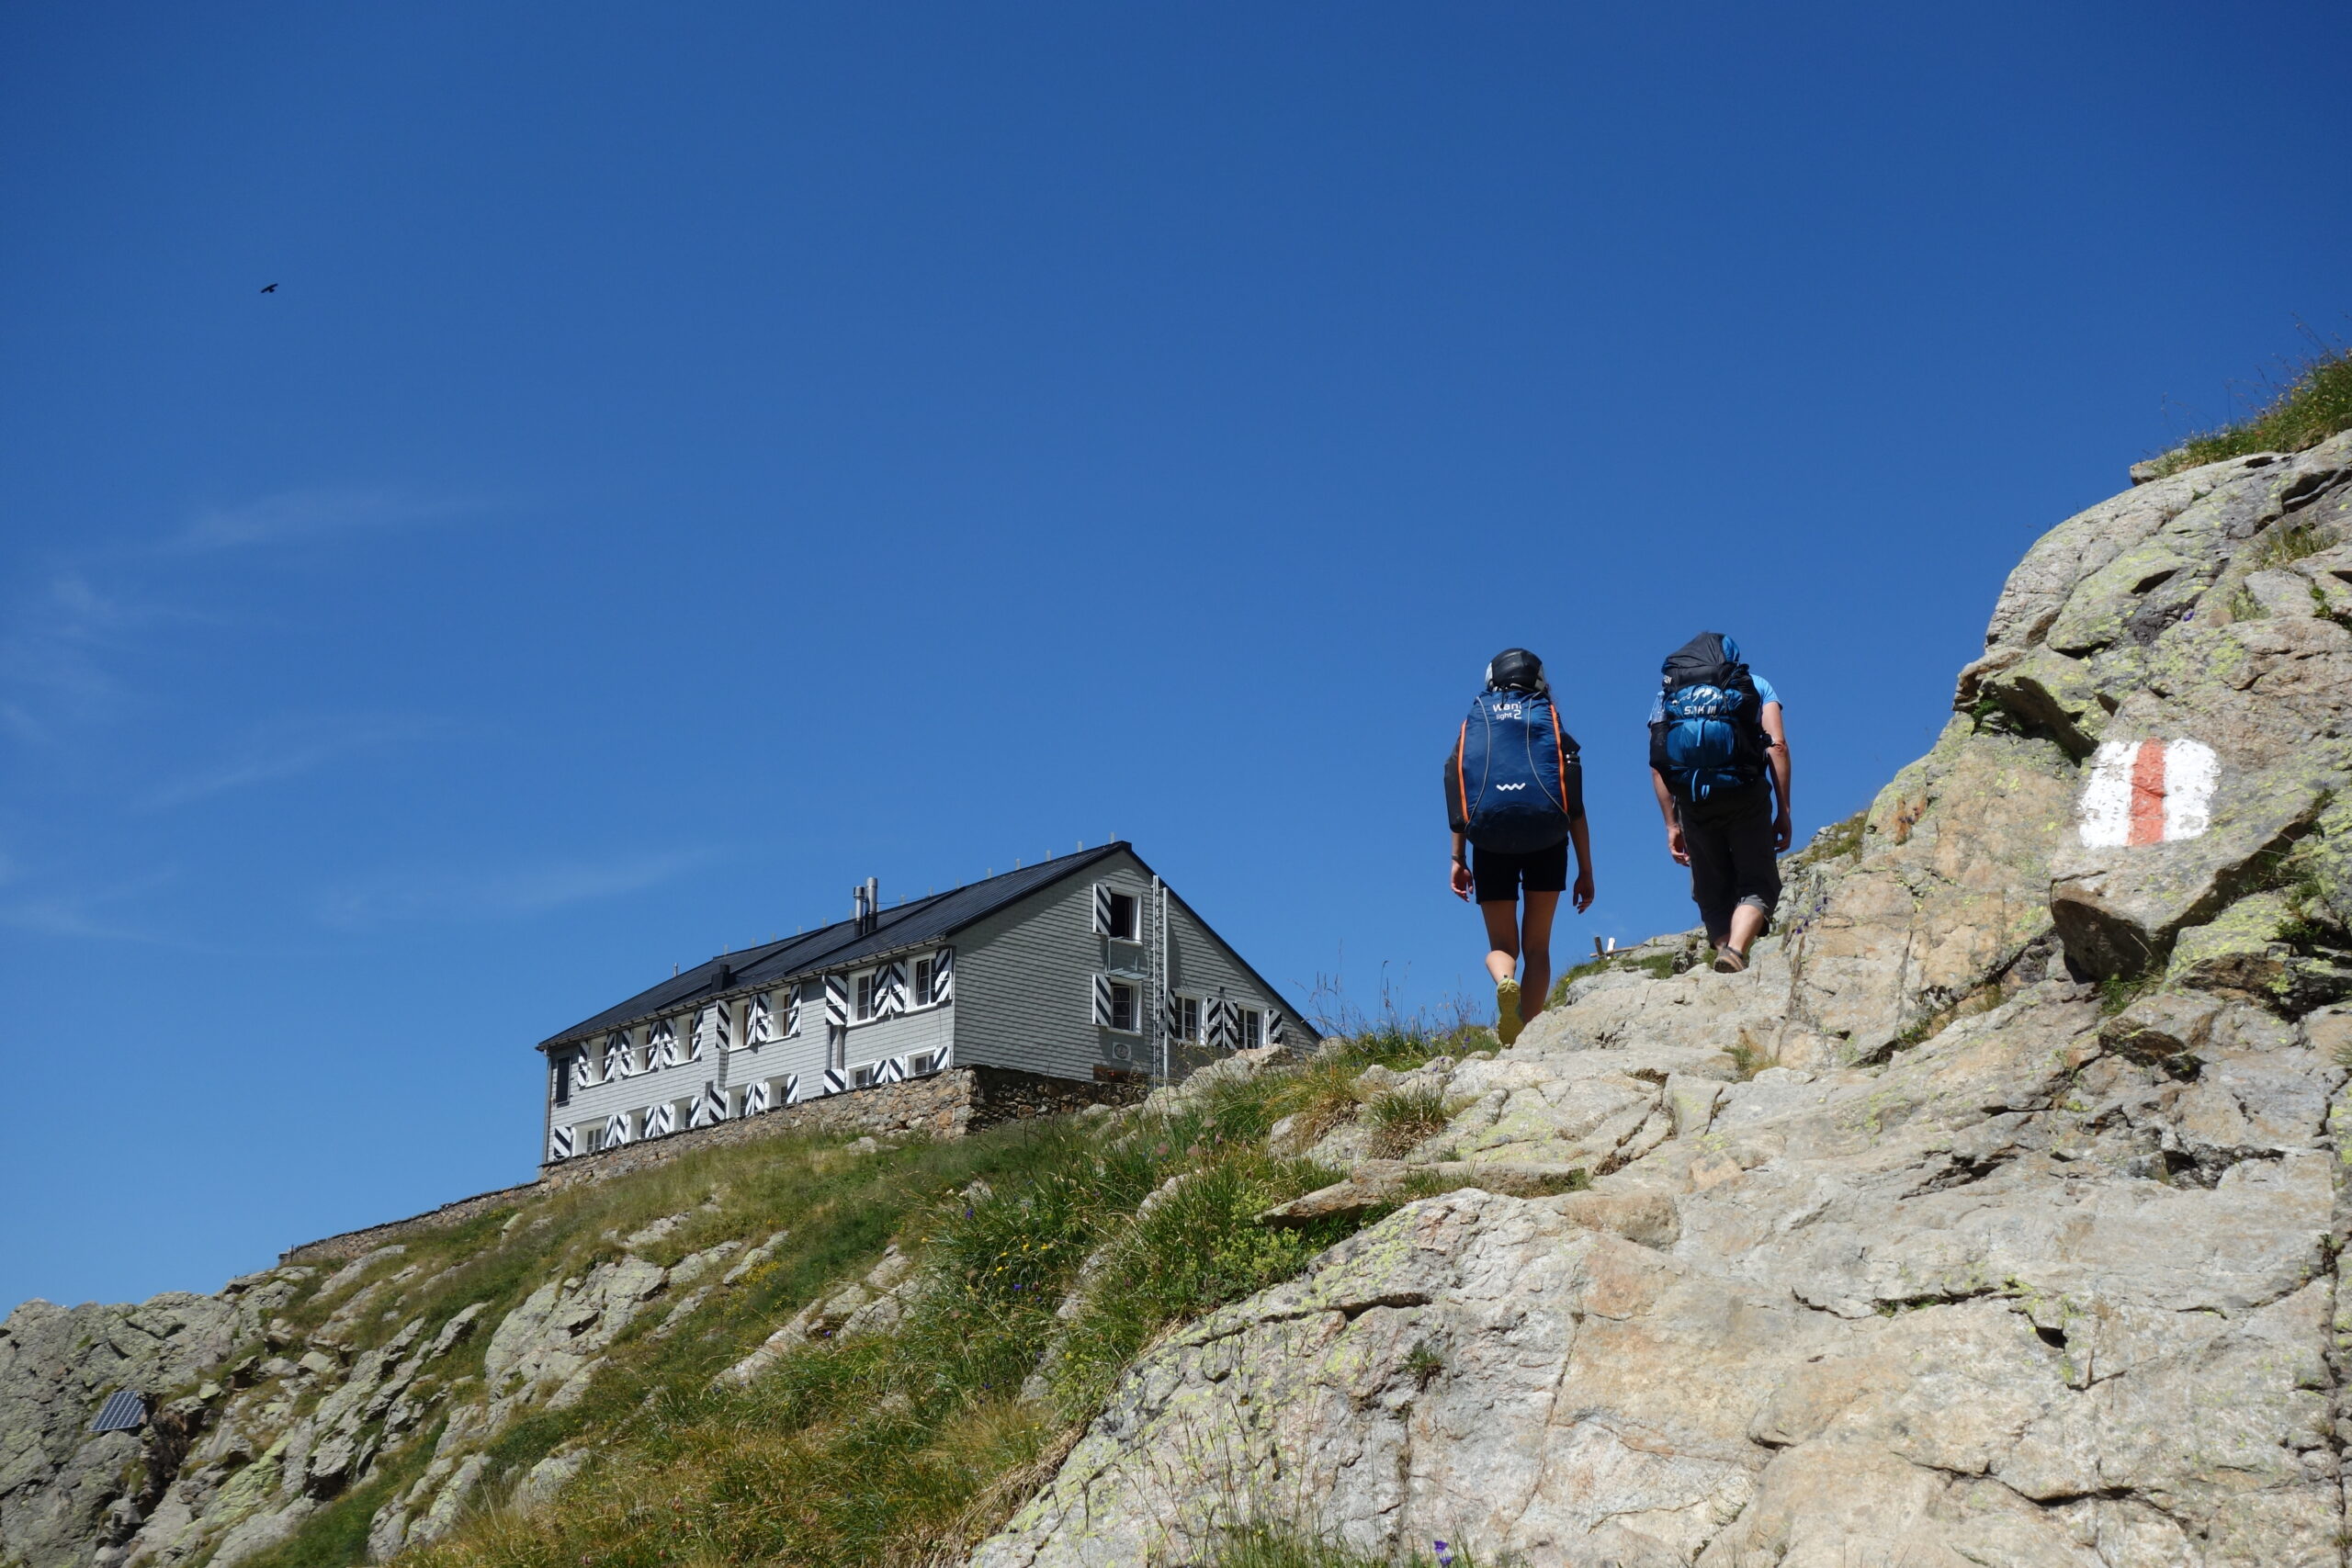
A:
(1729, 962)
(1506, 1023)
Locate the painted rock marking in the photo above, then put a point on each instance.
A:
(2148, 791)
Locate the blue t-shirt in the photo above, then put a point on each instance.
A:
(1764, 692)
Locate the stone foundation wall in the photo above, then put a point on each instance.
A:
(943, 1105)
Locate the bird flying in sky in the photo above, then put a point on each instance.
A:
(270, 288)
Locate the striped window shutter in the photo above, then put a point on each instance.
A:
(661, 1045)
(661, 1119)
(1102, 908)
(709, 1033)
(710, 1107)
(759, 1024)
(583, 1071)
(620, 1062)
(1218, 1025)
(942, 975)
(792, 1013)
(559, 1145)
(837, 1000)
(1275, 1033)
(755, 1098)
(890, 990)
(1103, 1001)
(617, 1130)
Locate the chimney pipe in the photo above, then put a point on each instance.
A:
(872, 903)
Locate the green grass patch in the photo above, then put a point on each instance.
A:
(1283, 1546)
(2313, 403)
(1403, 1118)
(1842, 839)
(908, 1447)
(2120, 991)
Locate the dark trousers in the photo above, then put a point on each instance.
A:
(1733, 858)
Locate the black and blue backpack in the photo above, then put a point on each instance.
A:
(1709, 739)
(1513, 782)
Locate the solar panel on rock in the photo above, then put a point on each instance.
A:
(126, 1411)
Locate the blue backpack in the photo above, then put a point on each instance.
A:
(1710, 737)
(1513, 780)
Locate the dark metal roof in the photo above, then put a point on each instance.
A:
(916, 923)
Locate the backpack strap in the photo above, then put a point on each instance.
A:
(1560, 749)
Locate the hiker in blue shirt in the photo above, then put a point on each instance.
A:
(1514, 791)
(1719, 759)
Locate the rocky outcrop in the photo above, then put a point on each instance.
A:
(1993, 1216)
(289, 1389)
(62, 1488)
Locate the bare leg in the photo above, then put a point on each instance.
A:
(1535, 982)
(1502, 938)
(1747, 925)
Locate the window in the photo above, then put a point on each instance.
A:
(1121, 923)
(863, 1078)
(865, 998)
(1123, 1008)
(1253, 1029)
(920, 1063)
(922, 982)
(1184, 1016)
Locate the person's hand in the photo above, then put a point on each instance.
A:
(1583, 891)
(1460, 882)
(1784, 832)
(1675, 847)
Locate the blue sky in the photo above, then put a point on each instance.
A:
(697, 457)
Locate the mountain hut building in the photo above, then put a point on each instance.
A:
(1046, 970)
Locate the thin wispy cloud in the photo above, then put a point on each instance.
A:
(85, 913)
(301, 515)
(290, 748)
(509, 893)
(53, 657)
(68, 637)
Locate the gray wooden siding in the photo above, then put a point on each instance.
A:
(926, 1029)
(1200, 966)
(803, 1054)
(1024, 978)
(681, 1082)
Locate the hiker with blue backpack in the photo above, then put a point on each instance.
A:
(1514, 794)
(1719, 760)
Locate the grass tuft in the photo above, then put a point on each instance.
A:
(2314, 403)
(1282, 1546)
(1402, 1118)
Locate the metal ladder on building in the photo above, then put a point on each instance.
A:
(1156, 978)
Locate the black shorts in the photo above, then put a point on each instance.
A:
(1500, 876)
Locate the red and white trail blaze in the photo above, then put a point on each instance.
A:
(2148, 791)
